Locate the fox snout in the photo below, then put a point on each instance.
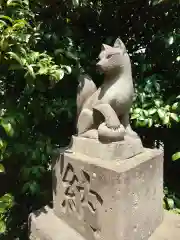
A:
(99, 66)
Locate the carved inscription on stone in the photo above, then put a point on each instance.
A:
(78, 199)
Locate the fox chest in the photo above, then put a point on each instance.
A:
(118, 97)
(108, 96)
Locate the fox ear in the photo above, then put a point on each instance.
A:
(119, 44)
(104, 47)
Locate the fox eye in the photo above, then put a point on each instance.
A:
(109, 56)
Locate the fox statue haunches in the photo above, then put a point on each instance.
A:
(103, 113)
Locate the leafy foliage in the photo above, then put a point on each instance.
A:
(176, 156)
(27, 75)
(171, 201)
(43, 42)
(6, 202)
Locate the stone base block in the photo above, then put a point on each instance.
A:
(44, 225)
(103, 200)
(112, 151)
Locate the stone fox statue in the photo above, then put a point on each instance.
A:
(103, 113)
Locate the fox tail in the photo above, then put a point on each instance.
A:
(86, 88)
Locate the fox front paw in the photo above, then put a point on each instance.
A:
(114, 126)
(111, 134)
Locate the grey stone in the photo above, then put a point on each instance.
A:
(121, 150)
(110, 199)
(169, 229)
(103, 113)
(46, 226)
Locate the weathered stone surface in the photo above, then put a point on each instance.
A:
(110, 199)
(103, 113)
(46, 226)
(121, 150)
(169, 229)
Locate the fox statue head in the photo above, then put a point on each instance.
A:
(113, 58)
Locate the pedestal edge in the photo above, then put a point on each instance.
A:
(44, 225)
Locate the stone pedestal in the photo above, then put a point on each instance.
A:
(98, 199)
(114, 151)
(44, 225)
(119, 200)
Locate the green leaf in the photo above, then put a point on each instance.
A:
(59, 74)
(157, 103)
(164, 204)
(166, 119)
(176, 156)
(171, 39)
(19, 25)
(150, 122)
(134, 116)
(175, 106)
(7, 201)
(58, 51)
(6, 18)
(71, 55)
(7, 198)
(2, 144)
(43, 70)
(4, 44)
(26, 2)
(34, 56)
(34, 188)
(142, 122)
(170, 203)
(2, 170)
(8, 128)
(141, 118)
(3, 23)
(19, 59)
(75, 3)
(165, 190)
(13, 3)
(2, 226)
(31, 71)
(36, 171)
(167, 107)
(2, 207)
(161, 113)
(10, 2)
(146, 113)
(25, 188)
(152, 111)
(137, 110)
(174, 116)
(67, 69)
